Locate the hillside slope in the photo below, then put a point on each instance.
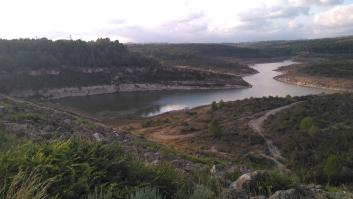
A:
(325, 63)
(226, 58)
(215, 154)
(297, 135)
(55, 69)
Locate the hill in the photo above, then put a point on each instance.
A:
(324, 63)
(298, 135)
(55, 69)
(214, 151)
(221, 57)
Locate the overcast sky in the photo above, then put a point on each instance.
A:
(176, 20)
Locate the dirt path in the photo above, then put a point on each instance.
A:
(257, 125)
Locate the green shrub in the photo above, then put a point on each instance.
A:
(78, 166)
(214, 106)
(306, 123)
(270, 182)
(147, 123)
(215, 128)
(332, 167)
(221, 104)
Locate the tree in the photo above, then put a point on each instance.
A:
(332, 167)
(221, 104)
(313, 130)
(215, 128)
(306, 123)
(214, 106)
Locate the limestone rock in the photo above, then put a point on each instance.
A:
(249, 180)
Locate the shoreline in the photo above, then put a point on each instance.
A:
(60, 93)
(282, 78)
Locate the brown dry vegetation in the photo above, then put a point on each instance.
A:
(188, 130)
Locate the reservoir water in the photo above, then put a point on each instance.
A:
(149, 103)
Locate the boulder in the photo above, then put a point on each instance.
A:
(183, 165)
(67, 121)
(3, 109)
(97, 136)
(287, 194)
(249, 180)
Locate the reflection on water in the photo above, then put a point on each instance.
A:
(148, 103)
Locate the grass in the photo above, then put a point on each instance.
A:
(27, 186)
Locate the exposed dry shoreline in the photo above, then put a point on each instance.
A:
(58, 93)
(316, 82)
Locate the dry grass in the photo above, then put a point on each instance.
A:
(28, 186)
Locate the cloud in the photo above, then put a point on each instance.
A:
(175, 20)
(315, 2)
(274, 13)
(338, 17)
(192, 23)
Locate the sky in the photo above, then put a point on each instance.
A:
(176, 21)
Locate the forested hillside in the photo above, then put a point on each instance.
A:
(316, 136)
(41, 67)
(339, 45)
(27, 54)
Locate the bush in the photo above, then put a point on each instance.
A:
(214, 106)
(270, 182)
(215, 128)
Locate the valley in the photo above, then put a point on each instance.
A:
(102, 119)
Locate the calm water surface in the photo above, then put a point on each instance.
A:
(149, 103)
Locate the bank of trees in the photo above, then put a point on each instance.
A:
(44, 53)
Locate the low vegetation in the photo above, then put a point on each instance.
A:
(316, 137)
(343, 69)
(73, 168)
